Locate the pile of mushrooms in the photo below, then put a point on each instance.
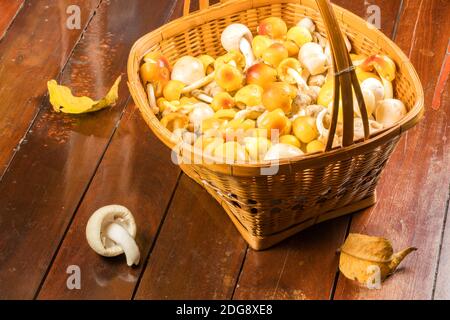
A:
(268, 97)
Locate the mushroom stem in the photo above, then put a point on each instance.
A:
(388, 90)
(198, 84)
(246, 49)
(202, 96)
(120, 236)
(298, 78)
(152, 98)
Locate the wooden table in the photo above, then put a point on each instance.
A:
(56, 170)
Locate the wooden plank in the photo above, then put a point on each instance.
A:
(414, 188)
(140, 177)
(48, 176)
(9, 10)
(35, 49)
(442, 289)
(198, 254)
(305, 266)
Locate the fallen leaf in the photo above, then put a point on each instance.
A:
(360, 254)
(63, 100)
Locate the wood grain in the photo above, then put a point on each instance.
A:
(305, 266)
(198, 254)
(34, 50)
(136, 172)
(9, 10)
(50, 173)
(414, 187)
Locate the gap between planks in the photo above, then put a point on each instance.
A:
(13, 19)
(45, 97)
(128, 104)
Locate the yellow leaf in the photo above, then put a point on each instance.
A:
(62, 99)
(361, 253)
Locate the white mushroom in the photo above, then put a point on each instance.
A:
(317, 80)
(324, 132)
(152, 98)
(282, 151)
(238, 37)
(110, 232)
(307, 23)
(188, 70)
(375, 86)
(312, 58)
(390, 111)
(369, 100)
(200, 95)
(200, 112)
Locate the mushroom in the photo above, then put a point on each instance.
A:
(250, 95)
(110, 232)
(312, 58)
(200, 112)
(375, 86)
(155, 74)
(201, 95)
(257, 147)
(390, 111)
(188, 70)
(238, 37)
(324, 132)
(274, 27)
(385, 68)
(307, 23)
(305, 129)
(191, 72)
(230, 152)
(282, 151)
(261, 74)
(289, 71)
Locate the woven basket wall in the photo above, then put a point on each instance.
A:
(306, 190)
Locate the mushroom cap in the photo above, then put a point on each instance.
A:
(390, 111)
(200, 112)
(232, 35)
(282, 151)
(307, 23)
(188, 70)
(97, 224)
(375, 86)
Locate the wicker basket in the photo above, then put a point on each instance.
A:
(307, 190)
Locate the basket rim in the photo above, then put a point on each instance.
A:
(198, 18)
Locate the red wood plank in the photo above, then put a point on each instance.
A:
(35, 49)
(136, 172)
(414, 188)
(9, 10)
(442, 289)
(305, 267)
(198, 254)
(48, 176)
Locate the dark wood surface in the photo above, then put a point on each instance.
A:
(55, 170)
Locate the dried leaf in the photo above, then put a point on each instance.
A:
(361, 253)
(63, 100)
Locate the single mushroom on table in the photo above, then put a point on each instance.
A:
(110, 232)
(238, 37)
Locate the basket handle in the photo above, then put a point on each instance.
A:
(345, 80)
